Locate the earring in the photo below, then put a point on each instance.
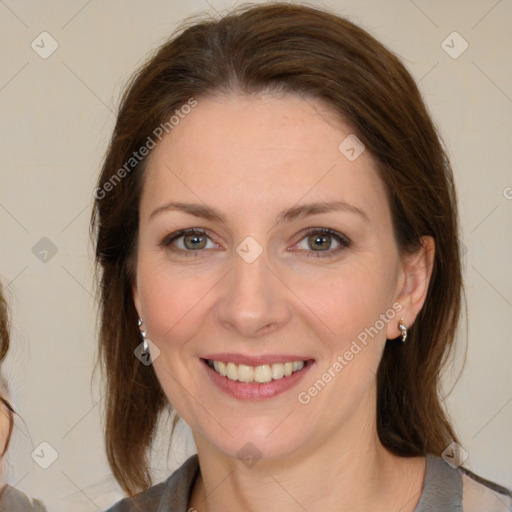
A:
(403, 329)
(145, 346)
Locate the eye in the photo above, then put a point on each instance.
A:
(189, 241)
(320, 240)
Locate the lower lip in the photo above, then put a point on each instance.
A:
(255, 390)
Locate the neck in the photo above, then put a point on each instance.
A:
(351, 470)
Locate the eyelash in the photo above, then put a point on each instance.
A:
(341, 239)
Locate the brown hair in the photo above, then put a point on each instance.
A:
(317, 54)
(4, 327)
(4, 348)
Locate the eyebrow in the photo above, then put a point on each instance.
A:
(288, 215)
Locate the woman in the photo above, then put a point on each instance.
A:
(11, 499)
(276, 230)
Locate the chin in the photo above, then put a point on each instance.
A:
(253, 440)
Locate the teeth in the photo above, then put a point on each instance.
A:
(245, 373)
(277, 371)
(263, 373)
(220, 367)
(297, 365)
(232, 371)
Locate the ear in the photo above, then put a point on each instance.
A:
(415, 274)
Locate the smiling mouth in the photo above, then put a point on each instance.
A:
(258, 374)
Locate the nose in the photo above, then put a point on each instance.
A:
(255, 301)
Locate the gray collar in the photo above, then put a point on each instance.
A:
(442, 487)
(178, 487)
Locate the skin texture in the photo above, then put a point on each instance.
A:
(251, 157)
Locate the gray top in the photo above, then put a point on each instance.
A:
(444, 490)
(13, 500)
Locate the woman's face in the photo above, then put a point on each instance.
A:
(261, 285)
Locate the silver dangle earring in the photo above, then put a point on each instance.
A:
(403, 329)
(145, 346)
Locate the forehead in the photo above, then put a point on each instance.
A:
(245, 151)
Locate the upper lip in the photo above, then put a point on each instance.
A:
(256, 360)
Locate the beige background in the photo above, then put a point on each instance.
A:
(56, 118)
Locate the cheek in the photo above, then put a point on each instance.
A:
(348, 300)
(171, 301)
(349, 309)
(340, 301)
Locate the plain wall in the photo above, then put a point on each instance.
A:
(56, 119)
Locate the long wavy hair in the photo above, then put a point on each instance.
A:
(304, 51)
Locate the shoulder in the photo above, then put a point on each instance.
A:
(14, 500)
(456, 489)
(169, 496)
(442, 487)
(481, 494)
(147, 500)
